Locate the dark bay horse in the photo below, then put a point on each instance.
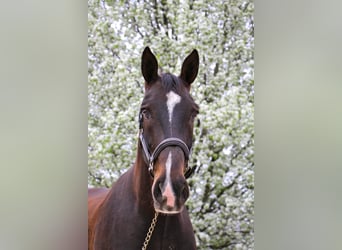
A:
(150, 196)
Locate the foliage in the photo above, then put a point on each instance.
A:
(221, 203)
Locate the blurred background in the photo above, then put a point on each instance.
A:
(46, 83)
(221, 203)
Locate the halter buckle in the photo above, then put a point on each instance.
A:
(150, 169)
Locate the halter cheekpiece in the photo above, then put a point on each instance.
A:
(171, 141)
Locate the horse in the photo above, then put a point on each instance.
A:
(145, 208)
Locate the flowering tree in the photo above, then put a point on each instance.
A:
(221, 202)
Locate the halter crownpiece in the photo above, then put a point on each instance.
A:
(171, 141)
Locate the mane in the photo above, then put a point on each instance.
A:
(170, 82)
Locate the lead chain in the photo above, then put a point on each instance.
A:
(150, 231)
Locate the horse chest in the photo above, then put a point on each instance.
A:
(173, 234)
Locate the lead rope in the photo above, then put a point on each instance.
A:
(150, 231)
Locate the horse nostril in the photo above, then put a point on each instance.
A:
(157, 191)
(161, 197)
(185, 192)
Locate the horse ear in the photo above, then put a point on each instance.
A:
(149, 66)
(190, 68)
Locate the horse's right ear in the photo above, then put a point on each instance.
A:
(149, 66)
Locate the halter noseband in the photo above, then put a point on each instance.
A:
(171, 141)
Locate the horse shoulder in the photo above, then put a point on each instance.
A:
(96, 196)
(116, 216)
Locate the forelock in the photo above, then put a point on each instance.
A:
(170, 82)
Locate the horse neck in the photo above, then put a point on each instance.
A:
(142, 182)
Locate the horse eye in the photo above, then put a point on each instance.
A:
(146, 114)
(193, 115)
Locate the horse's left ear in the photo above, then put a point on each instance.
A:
(190, 68)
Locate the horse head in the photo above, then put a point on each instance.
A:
(167, 116)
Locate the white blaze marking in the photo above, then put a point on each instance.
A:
(168, 191)
(172, 100)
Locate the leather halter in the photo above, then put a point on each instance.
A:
(171, 141)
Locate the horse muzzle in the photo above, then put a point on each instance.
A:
(170, 198)
(170, 189)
